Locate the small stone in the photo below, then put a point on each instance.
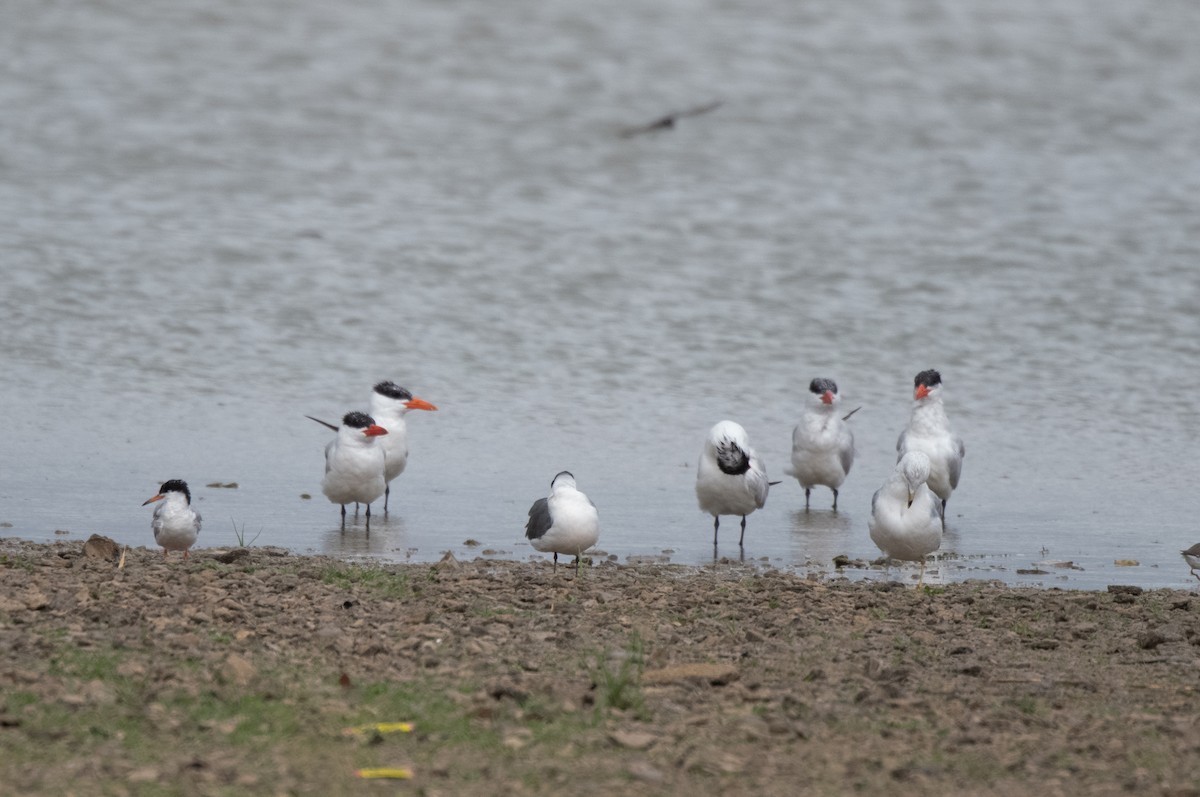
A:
(239, 668)
(229, 557)
(36, 600)
(644, 771)
(1151, 639)
(715, 674)
(632, 740)
(1124, 589)
(101, 547)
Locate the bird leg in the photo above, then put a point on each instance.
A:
(716, 525)
(835, 500)
(556, 561)
(943, 514)
(808, 490)
(343, 516)
(743, 531)
(368, 518)
(387, 492)
(921, 577)
(185, 553)
(578, 561)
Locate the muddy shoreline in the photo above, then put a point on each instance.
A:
(631, 679)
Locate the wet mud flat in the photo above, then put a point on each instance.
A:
(256, 671)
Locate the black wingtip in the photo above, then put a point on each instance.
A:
(846, 417)
(323, 423)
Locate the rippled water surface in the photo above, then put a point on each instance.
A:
(216, 218)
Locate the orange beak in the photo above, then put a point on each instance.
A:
(921, 392)
(152, 500)
(419, 404)
(374, 430)
(827, 397)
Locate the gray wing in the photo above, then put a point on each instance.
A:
(901, 444)
(874, 500)
(955, 463)
(847, 452)
(197, 521)
(328, 452)
(539, 520)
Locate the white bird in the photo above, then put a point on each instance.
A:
(1192, 557)
(176, 525)
(730, 478)
(904, 514)
(929, 431)
(354, 464)
(389, 404)
(565, 522)
(822, 443)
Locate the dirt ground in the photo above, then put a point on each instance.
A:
(246, 676)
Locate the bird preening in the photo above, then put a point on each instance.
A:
(907, 519)
(730, 478)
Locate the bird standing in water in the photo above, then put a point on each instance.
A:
(929, 432)
(822, 443)
(354, 464)
(730, 478)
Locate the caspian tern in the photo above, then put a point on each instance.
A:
(566, 522)
(822, 443)
(730, 479)
(929, 431)
(354, 464)
(904, 513)
(389, 404)
(176, 525)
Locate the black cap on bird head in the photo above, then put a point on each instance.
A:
(358, 420)
(392, 390)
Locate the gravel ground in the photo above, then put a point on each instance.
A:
(242, 676)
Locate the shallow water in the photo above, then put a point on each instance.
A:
(218, 219)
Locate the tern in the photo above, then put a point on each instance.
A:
(176, 525)
(354, 464)
(565, 522)
(1192, 557)
(822, 443)
(929, 431)
(389, 404)
(730, 478)
(904, 513)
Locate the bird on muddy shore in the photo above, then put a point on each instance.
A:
(822, 443)
(1192, 557)
(730, 478)
(175, 523)
(929, 431)
(565, 522)
(904, 513)
(354, 464)
(389, 404)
